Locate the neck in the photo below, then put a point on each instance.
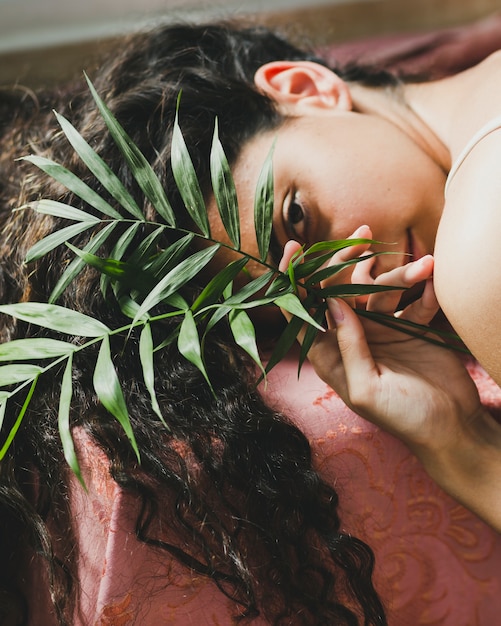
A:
(412, 108)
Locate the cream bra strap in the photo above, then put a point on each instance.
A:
(491, 126)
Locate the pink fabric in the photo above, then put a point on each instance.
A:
(436, 563)
(123, 581)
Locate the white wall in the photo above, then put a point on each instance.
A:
(27, 24)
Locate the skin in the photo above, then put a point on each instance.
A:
(351, 156)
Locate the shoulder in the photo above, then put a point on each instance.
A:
(475, 101)
(467, 250)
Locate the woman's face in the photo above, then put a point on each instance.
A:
(335, 172)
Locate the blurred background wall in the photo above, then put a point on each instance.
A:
(46, 40)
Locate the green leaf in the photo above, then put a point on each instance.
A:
(244, 333)
(216, 286)
(4, 396)
(141, 258)
(129, 275)
(279, 285)
(128, 306)
(223, 186)
(99, 168)
(113, 268)
(223, 309)
(416, 330)
(176, 278)
(109, 391)
(56, 318)
(118, 251)
(236, 300)
(19, 373)
(309, 266)
(34, 348)
(122, 245)
(338, 244)
(73, 183)
(284, 342)
(147, 247)
(77, 265)
(170, 257)
(347, 291)
(305, 266)
(59, 209)
(177, 301)
(146, 356)
(63, 422)
(188, 343)
(138, 165)
(187, 181)
(310, 335)
(251, 288)
(263, 206)
(18, 421)
(327, 272)
(324, 273)
(55, 239)
(292, 304)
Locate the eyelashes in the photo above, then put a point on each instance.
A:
(296, 218)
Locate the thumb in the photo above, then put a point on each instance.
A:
(356, 357)
(290, 249)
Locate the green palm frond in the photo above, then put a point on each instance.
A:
(150, 280)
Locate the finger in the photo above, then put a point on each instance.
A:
(362, 276)
(354, 371)
(362, 271)
(405, 276)
(290, 250)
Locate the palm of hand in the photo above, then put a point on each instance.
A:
(412, 388)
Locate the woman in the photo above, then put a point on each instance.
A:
(227, 491)
(221, 455)
(383, 157)
(353, 149)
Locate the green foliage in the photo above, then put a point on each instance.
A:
(148, 285)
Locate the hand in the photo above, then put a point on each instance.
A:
(418, 391)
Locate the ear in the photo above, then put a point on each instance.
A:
(303, 86)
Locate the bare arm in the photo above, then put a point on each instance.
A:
(468, 254)
(423, 395)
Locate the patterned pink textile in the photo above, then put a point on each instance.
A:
(437, 564)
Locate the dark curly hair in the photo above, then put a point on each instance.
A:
(254, 486)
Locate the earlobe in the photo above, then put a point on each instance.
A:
(300, 85)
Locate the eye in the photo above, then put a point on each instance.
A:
(295, 218)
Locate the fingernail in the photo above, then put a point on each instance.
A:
(358, 231)
(337, 312)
